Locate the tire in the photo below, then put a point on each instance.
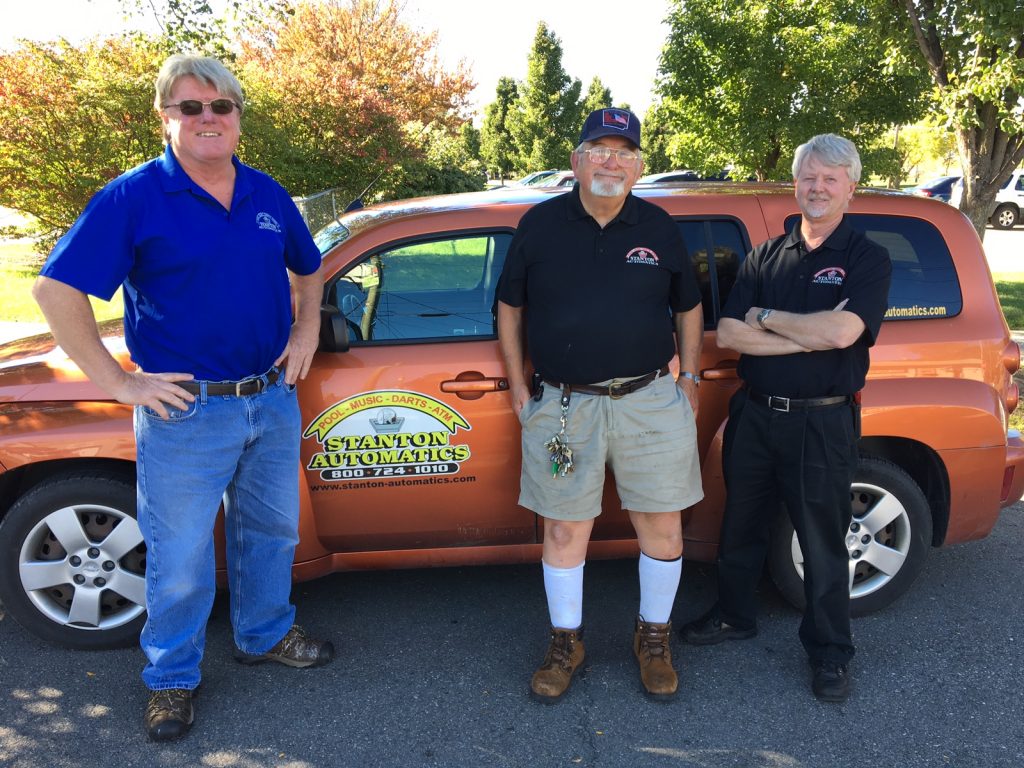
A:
(889, 508)
(1005, 217)
(72, 562)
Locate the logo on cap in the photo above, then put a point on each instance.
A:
(615, 118)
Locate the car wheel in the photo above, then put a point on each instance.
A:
(888, 540)
(1005, 217)
(72, 562)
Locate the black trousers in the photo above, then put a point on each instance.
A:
(804, 460)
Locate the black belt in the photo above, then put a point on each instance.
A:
(615, 390)
(786, 404)
(251, 386)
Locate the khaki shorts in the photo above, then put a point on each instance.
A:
(648, 439)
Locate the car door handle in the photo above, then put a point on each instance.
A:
(471, 385)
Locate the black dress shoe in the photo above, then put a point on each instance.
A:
(709, 629)
(831, 681)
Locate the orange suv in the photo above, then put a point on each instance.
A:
(410, 450)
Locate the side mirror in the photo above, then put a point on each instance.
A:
(333, 329)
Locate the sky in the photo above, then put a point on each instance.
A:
(617, 42)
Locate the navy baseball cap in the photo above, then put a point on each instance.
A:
(611, 122)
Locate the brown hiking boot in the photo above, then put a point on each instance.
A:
(565, 654)
(295, 649)
(650, 644)
(169, 714)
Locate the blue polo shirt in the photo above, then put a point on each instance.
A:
(206, 290)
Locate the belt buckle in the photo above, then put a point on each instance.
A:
(238, 388)
(783, 400)
(613, 390)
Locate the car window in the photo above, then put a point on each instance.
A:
(727, 240)
(1020, 183)
(924, 280)
(436, 290)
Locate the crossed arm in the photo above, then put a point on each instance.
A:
(788, 333)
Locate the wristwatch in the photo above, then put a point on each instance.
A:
(691, 376)
(763, 315)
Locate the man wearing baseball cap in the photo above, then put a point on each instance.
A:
(612, 299)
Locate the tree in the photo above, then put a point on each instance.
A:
(497, 146)
(73, 119)
(974, 51)
(546, 124)
(340, 81)
(597, 97)
(745, 81)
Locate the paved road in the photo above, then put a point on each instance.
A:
(434, 665)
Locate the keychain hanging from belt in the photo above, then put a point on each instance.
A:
(558, 446)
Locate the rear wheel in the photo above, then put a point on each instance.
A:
(1005, 217)
(888, 540)
(72, 562)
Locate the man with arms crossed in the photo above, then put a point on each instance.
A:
(597, 282)
(804, 310)
(203, 246)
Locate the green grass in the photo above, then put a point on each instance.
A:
(1010, 287)
(19, 265)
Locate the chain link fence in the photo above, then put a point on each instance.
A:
(320, 209)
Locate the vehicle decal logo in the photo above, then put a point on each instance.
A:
(265, 221)
(642, 256)
(829, 276)
(387, 433)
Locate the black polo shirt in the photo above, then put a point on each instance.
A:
(782, 274)
(599, 302)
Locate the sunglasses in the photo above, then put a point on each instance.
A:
(193, 107)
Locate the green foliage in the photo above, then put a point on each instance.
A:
(546, 124)
(73, 119)
(442, 166)
(746, 81)
(974, 51)
(597, 97)
(497, 146)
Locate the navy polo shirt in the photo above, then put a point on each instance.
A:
(206, 290)
(599, 302)
(782, 274)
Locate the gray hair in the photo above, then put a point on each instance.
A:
(829, 149)
(204, 69)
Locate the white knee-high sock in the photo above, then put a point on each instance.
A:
(564, 589)
(659, 580)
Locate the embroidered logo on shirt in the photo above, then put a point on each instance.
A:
(829, 276)
(266, 221)
(642, 256)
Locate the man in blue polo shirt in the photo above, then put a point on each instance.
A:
(202, 246)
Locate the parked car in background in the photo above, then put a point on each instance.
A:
(669, 177)
(557, 179)
(937, 189)
(1006, 210)
(410, 450)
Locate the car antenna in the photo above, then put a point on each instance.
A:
(357, 203)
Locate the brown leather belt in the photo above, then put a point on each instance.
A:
(242, 388)
(787, 404)
(615, 390)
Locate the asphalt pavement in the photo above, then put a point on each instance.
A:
(433, 666)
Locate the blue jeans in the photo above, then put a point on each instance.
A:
(244, 451)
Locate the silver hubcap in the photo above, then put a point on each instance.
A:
(878, 540)
(85, 566)
(1006, 218)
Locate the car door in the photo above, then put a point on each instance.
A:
(409, 440)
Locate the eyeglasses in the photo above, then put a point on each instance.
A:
(600, 155)
(193, 107)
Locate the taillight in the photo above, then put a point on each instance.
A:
(927, 192)
(1011, 357)
(1012, 398)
